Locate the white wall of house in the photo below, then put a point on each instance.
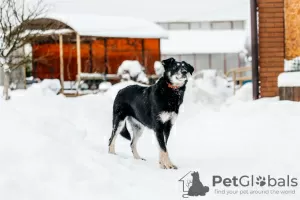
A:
(206, 49)
(220, 61)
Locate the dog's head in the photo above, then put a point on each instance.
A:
(177, 73)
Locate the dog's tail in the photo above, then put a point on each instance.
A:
(125, 133)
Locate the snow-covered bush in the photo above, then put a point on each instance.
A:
(50, 84)
(132, 70)
(104, 86)
(209, 87)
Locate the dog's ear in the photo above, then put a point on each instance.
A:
(166, 63)
(190, 68)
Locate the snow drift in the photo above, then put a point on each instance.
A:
(53, 147)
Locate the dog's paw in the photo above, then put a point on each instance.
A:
(167, 166)
(112, 152)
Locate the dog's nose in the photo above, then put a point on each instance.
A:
(184, 72)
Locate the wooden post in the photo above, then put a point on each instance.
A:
(234, 81)
(24, 68)
(143, 53)
(78, 59)
(61, 56)
(91, 69)
(225, 63)
(107, 70)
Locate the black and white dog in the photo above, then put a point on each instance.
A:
(155, 107)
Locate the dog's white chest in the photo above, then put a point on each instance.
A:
(167, 116)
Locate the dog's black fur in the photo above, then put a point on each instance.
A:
(154, 107)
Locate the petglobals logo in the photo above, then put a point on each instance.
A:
(255, 185)
(246, 181)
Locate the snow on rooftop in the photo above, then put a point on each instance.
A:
(111, 26)
(289, 79)
(159, 11)
(197, 42)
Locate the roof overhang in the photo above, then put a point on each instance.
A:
(107, 26)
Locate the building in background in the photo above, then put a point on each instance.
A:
(216, 40)
(93, 48)
(220, 49)
(185, 17)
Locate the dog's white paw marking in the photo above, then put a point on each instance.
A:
(165, 162)
(167, 116)
(118, 130)
(112, 149)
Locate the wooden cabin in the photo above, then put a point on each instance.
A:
(278, 41)
(76, 44)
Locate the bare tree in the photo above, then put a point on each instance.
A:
(14, 34)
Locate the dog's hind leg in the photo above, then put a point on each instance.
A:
(118, 125)
(137, 130)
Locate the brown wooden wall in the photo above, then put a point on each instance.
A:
(96, 56)
(271, 45)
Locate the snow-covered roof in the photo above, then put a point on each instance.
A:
(198, 42)
(289, 79)
(159, 10)
(111, 26)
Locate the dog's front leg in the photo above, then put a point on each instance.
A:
(164, 159)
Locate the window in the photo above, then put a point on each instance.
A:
(189, 58)
(176, 57)
(179, 26)
(221, 25)
(195, 25)
(232, 61)
(217, 61)
(238, 25)
(205, 25)
(202, 62)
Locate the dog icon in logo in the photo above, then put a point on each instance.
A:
(192, 186)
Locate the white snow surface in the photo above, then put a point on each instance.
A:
(110, 26)
(204, 41)
(289, 79)
(244, 94)
(52, 147)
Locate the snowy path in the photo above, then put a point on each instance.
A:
(56, 148)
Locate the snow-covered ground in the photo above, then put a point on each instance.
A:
(52, 147)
